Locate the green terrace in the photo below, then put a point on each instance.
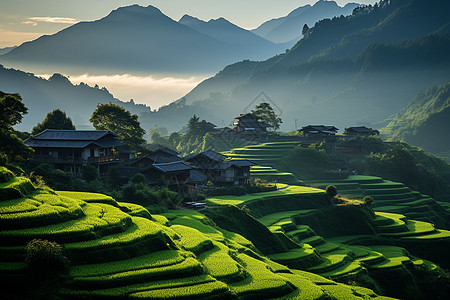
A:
(390, 197)
(121, 251)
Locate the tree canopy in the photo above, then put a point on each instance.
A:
(12, 147)
(265, 113)
(120, 121)
(57, 119)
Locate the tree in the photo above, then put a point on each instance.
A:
(120, 121)
(12, 110)
(305, 29)
(57, 119)
(265, 113)
(331, 191)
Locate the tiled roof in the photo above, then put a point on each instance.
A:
(359, 129)
(242, 163)
(319, 128)
(172, 167)
(71, 144)
(73, 135)
(213, 155)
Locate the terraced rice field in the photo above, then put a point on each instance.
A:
(333, 258)
(266, 154)
(283, 190)
(391, 197)
(117, 255)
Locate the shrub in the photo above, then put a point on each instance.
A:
(331, 191)
(138, 178)
(368, 200)
(89, 173)
(46, 257)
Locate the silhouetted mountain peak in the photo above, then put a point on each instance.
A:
(187, 19)
(134, 11)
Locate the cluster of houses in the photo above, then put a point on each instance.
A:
(69, 150)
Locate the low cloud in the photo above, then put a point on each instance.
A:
(150, 90)
(30, 23)
(58, 20)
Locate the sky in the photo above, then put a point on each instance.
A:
(25, 20)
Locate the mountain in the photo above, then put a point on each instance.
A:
(42, 96)
(132, 38)
(289, 28)
(317, 82)
(6, 50)
(423, 121)
(230, 33)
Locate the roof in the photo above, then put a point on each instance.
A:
(72, 135)
(321, 128)
(71, 144)
(197, 176)
(172, 167)
(213, 155)
(161, 148)
(359, 129)
(250, 120)
(242, 163)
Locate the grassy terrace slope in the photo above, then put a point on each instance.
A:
(266, 154)
(335, 241)
(116, 253)
(391, 197)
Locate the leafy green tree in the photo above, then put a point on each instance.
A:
(331, 191)
(120, 121)
(89, 173)
(12, 110)
(57, 119)
(265, 113)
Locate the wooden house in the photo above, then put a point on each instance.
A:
(361, 131)
(160, 155)
(318, 131)
(68, 150)
(220, 171)
(249, 124)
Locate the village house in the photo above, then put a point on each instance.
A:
(69, 150)
(318, 131)
(249, 124)
(219, 171)
(361, 131)
(159, 155)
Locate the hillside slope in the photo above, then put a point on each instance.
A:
(355, 70)
(41, 96)
(421, 122)
(120, 251)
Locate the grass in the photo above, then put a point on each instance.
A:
(184, 292)
(275, 217)
(288, 190)
(300, 258)
(188, 267)
(98, 220)
(219, 264)
(261, 282)
(192, 240)
(124, 291)
(154, 260)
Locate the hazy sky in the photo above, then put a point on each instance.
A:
(23, 20)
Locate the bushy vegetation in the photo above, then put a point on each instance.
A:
(46, 257)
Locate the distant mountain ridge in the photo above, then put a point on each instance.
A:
(141, 39)
(42, 96)
(289, 28)
(322, 79)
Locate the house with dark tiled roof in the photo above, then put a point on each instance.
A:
(68, 150)
(159, 155)
(319, 131)
(361, 131)
(250, 124)
(219, 170)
